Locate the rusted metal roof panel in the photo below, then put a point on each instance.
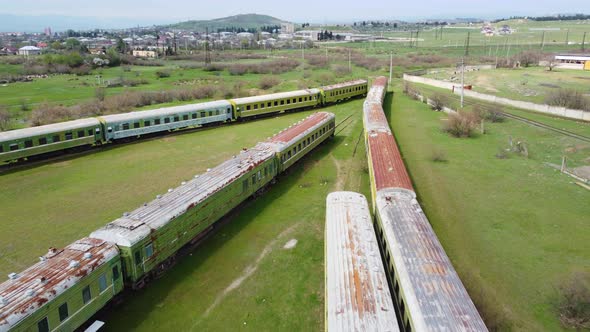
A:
(136, 225)
(280, 95)
(343, 85)
(434, 294)
(388, 166)
(56, 272)
(377, 91)
(302, 128)
(374, 118)
(357, 293)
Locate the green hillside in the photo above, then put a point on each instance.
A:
(246, 21)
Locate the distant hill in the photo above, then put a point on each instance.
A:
(246, 21)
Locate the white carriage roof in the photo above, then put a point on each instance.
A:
(342, 85)
(47, 129)
(357, 293)
(55, 273)
(280, 95)
(435, 296)
(136, 225)
(575, 57)
(166, 111)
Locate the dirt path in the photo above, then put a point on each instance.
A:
(246, 273)
(340, 177)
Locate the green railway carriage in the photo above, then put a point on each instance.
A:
(23, 143)
(343, 91)
(296, 141)
(63, 290)
(276, 103)
(139, 123)
(150, 236)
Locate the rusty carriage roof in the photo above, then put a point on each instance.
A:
(433, 292)
(377, 91)
(57, 271)
(343, 85)
(135, 226)
(357, 293)
(301, 128)
(387, 163)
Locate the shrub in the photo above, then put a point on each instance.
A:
(162, 73)
(82, 70)
(574, 301)
(492, 113)
(268, 82)
(317, 61)
(341, 70)
(100, 94)
(438, 101)
(238, 69)
(46, 114)
(461, 124)
(5, 118)
(439, 156)
(569, 98)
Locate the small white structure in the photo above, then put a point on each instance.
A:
(287, 27)
(29, 50)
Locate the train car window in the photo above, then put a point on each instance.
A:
(80, 133)
(247, 107)
(90, 132)
(300, 99)
(176, 118)
(255, 106)
(245, 186)
(86, 294)
(259, 174)
(69, 136)
(2, 148)
(13, 147)
(294, 100)
(265, 171)
(55, 138)
(136, 125)
(194, 115)
(269, 104)
(102, 283)
(137, 258)
(166, 120)
(125, 126)
(262, 105)
(43, 325)
(254, 179)
(115, 273)
(157, 121)
(308, 140)
(288, 101)
(63, 312)
(202, 114)
(282, 102)
(149, 250)
(28, 143)
(299, 147)
(146, 123)
(210, 113)
(185, 117)
(289, 154)
(276, 103)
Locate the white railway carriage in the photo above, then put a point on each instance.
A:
(429, 293)
(276, 102)
(357, 292)
(144, 122)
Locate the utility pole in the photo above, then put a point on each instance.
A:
(467, 44)
(497, 49)
(390, 67)
(462, 81)
(441, 32)
(584, 41)
(567, 37)
(543, 40)
(417, 34)
(207, 56)
(349, 61)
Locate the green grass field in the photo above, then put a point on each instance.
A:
(532, 84)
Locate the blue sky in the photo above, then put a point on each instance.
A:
(298, 11)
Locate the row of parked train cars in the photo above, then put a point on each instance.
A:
(390, 272)
(68, 286)
(24, 143)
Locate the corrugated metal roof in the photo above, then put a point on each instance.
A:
(167, 111)
(357, 293)
(52, 276)
(302, 128)
(47, 129)
(435, 296)
(342, 85)
(280, 95)
(389, 170)
(377, 91)
(136, 225)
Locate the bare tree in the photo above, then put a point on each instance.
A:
(5, 118)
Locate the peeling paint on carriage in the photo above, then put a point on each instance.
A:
(301, 128)
(343, 85)
(55, 275)
(357, 293)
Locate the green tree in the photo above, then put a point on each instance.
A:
(72, 44)
(121, 46)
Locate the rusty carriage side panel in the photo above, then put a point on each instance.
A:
(357, 293)
(60, 276)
